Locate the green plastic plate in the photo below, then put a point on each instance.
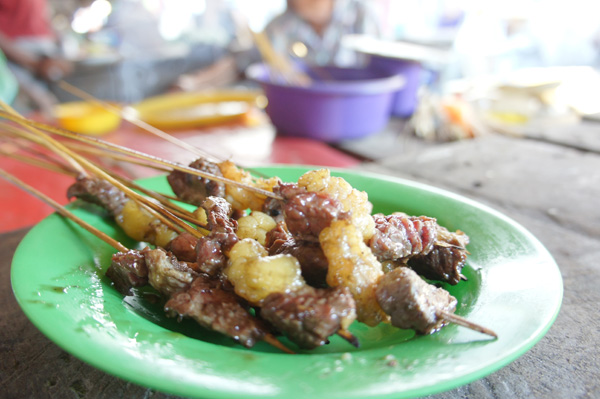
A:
(514, 287)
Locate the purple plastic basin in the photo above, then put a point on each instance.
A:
(405, 100)
(349, 103)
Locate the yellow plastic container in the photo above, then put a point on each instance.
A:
(87, 118)
(188, 110)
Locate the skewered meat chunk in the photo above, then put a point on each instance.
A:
(190, 294)
(166, 273)
(141, 225)
(352, 265)
(128, 270)
(160, 269)
(240, 198)
(137, 222)
(412, 302)
(442, 264)
(195, 189)
(398, 237)
(354, 201)
(99, 192)
(421, 244)
(211, 250)
(256, 225)
(254, 274)
(216, 309)
(308, 213)
(310, 255)
(218, 215)
(309, 316)
(184, 247)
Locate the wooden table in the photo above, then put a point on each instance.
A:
(552, 189)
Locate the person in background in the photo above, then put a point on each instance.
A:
(312, 29)
(31, 47)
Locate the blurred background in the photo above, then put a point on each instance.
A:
(128, 50)
(386, 77)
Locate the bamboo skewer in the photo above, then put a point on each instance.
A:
(139, 155)
(174, 209)
(54, 146)
(63, 212)
(278, 62)
(348, 336)
(269, 338)
(128, 116)
(162, 199)
(39, 163)
(162, 214)
(14, 133)
(116, 156)
(461, 321)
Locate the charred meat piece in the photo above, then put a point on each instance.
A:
(218, 214)
(412, 302)
(128, 270)
(195, 189)
(184, 247)
(309, 254)
(166, 273)
(99, 192)
(156, 267)
(442, 264)
(309, 316)
(398, 237)
(307, 213)
(421, 244)
(446, 260)
(216, 309)
(211, 250)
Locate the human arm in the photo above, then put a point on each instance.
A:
(47, 68)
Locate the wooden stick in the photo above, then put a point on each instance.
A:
(271, 340)
(140, 155)
(348, 336)
(461, 321)
(175, 210)
(56, 147)
(278, 62)
(64, 212)
(40, 164)
(162, 214)
(130, 117)
(14, 133)
(163, 200)
(116, 156)
(54, 166)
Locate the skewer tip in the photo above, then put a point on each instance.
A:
(461, 321)
(271, 340)
(348, 336)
